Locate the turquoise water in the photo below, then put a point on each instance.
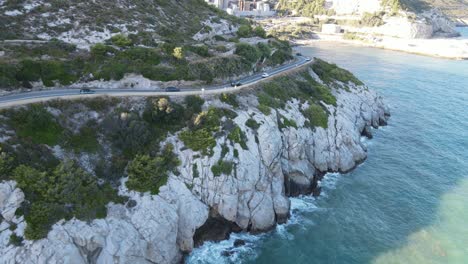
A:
(463, 31)
(408, 203)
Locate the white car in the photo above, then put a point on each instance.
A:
(265, 75)
(307, 59)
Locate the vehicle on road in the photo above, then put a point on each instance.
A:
(86, 91)
(298, 54)
(235, 84)
(307, 59)
(265, 75)
(172, 89)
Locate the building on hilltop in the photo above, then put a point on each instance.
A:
(251, 8)
(221, 4)
(244, 7)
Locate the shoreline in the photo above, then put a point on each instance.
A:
(217, 229)
(444, 48)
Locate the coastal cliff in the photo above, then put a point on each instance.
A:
(273, 141)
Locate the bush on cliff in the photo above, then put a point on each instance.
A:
(148, 174)
(330, 72)
(248, 52)
(64, 192)
(317, 117)
(238, 136)
(222, 167)
(37, 124)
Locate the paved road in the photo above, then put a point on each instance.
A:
(28, 97)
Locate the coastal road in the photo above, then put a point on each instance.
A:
(36, 96)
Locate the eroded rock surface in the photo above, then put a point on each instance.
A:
(158, 228)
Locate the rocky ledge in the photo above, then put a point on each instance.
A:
(276, 161)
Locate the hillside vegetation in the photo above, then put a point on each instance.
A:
(151, 19)
(69, 157)
(82, 41)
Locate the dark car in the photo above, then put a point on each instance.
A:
(172, 89)
(235, 84)
(86, 91)
(298, 54)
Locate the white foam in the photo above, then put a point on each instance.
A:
(225, 252)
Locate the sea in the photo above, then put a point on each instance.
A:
(408, 202)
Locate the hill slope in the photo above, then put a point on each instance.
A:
(58, 43)
(94, 20)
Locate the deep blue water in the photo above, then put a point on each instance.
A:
(408, 203)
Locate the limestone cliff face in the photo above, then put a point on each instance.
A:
(429, 24)
(279, 161)
(406, 24)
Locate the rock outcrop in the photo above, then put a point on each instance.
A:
(278, 161)
(429, 24)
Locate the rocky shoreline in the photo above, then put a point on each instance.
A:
(276, 162)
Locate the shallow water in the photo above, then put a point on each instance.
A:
(408, 203)
(463, 31)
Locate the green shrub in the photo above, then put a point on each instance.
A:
(195, 173)
(130, 135)
(330, 72)
(84, 141)
(252, 124)
(199, 140)
(316, 90)
(316, 115)
(222, 167)
(224, 150)
(285, 123)
(121, 40)
(8, 79)
(65, 192)
(6, 162)
(201, 50)
(219, 38)
(15, 240)
(37, 124)
(238, 136)
(244, 31)
(100, 50)
(259, 32)
(56, 71)
(147, 174)
(248, 52)
(29, 71)
(193, 105)
(229, 98)
(372, 19)
(264, 49)
(279, 57)
(264, 109)
(221, 48)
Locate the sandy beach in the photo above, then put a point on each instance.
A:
(450, 48)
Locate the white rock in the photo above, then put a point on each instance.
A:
(161, 227)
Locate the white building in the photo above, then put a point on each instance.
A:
(221, 4)
(331, 28)
(261, 9)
